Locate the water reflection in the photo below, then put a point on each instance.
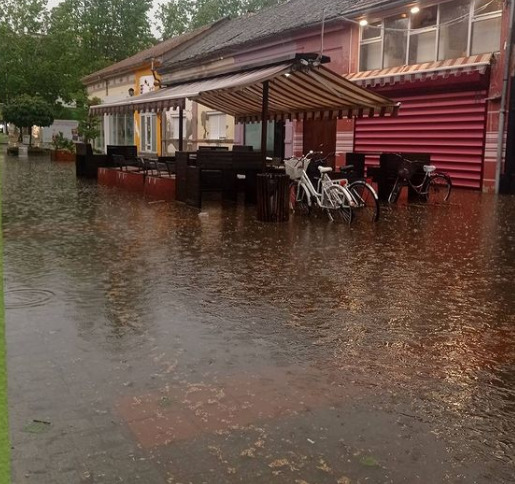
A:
(420, 305)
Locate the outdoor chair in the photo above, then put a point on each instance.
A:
(118, 161)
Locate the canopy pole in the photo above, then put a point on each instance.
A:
(264, 123)
(181, 126)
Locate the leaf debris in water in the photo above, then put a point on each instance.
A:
(369, 461)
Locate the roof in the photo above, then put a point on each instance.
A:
(296, 90)
(271, 22)
(144, 56)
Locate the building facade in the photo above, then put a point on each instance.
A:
(443, 60)
(154, 133)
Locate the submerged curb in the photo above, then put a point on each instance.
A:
(5, 474)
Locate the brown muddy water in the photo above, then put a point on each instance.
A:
(148, 344)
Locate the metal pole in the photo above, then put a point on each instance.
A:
(181, 122)
(264, 123)
(504, 98)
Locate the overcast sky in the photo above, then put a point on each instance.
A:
(153, 25)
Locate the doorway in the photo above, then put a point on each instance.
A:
(320, 135)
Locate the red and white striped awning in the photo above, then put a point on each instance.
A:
(295, 92)
(427, 70)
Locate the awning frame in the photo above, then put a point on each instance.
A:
(304, 89)
(296, 91)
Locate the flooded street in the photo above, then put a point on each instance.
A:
(149, 344)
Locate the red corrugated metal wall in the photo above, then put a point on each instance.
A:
(449, 126)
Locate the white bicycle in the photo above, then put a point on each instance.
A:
(329, 196)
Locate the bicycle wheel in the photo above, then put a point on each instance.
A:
(367, 204)
(302, 204)
(337, 204)
(439, 188)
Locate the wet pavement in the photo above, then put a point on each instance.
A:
(148, 344)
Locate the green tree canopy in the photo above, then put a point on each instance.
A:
(179, 16)
(48, 53)
(27, 111)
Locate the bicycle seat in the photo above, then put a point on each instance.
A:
(346, 168)
(324, 169)
(429, 168)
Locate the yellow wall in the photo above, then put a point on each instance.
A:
(139, 77)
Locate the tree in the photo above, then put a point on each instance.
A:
(89, 126)
(27, 111)
(48, 53)
(22, 29)
(24, 16)
(175, 17)
(179, 16)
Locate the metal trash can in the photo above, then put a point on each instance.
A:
(273, 197)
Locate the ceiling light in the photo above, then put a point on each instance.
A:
(363, 22)
(415, 10)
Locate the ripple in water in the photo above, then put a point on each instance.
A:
(23, 298)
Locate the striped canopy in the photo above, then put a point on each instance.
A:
(296, 91)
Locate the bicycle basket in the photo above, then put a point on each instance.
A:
(407, 169)
(294, 167)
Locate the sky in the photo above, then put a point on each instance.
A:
(153, 25)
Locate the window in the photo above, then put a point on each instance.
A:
(395, 37)
(173, 127)
(371, 48)
(446, 31)
(148, 133)
(486, 25)
(453, 35)
(121, 129)
(253, 136)
(482, 7)
(217, 127)
(422, 41)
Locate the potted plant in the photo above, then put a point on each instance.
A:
(63, 148)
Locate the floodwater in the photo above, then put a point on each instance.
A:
(149, 344)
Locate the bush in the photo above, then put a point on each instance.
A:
(59, 142)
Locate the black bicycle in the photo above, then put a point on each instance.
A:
(435, 186)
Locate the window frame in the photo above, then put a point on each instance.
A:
(221, 116)
(175, 118)
(144, 145)
(473, 18)
(374, 40)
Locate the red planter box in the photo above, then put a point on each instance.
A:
(58, 155)
(107, 176)
(160, 188)
(132, 182)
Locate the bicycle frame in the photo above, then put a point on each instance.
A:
(422, 189)
(320, 193)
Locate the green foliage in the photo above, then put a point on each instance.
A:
(89, 126)
(27, 111)
(48, 53)
(59, 142)
(65, 112)
(179, 16)
(24, 16)
(175, 17)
